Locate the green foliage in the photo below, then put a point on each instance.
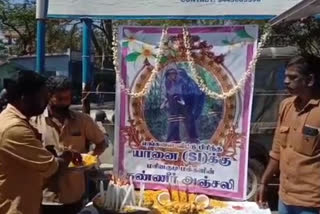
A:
(177, 22)
(3, 49)
(18, 20)
(62, 35)
(155, 117)
(302, 33)
(2, 45)
(213, 109)
(102, 41)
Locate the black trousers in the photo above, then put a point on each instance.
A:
(73, 208)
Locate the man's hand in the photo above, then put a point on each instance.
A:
(99, 148)
(272, 168)
(64, 159)
(262, 197)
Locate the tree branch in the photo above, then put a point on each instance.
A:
(99, 27)
(96, 43)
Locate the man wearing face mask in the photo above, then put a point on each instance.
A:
(63, 128)
(25, 165)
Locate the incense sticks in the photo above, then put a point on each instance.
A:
(141, 196)
(187, 193)
(119, 194)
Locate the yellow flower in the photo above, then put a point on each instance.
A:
(90, 160)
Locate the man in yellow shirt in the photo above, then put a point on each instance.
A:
(24, 162)
(296, 146)
(63, 128)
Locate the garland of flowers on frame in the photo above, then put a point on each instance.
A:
(191, 61)
(155, 70)
(242, 81)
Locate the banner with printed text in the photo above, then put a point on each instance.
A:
(157, 9)
(176, 134)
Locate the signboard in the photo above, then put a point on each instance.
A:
(176, 134)
(167, 9)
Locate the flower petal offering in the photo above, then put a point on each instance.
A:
(83, 161)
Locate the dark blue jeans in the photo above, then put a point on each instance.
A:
(289, 209)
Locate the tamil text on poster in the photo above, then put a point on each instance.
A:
(177, 134)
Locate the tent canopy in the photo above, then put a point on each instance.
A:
(303, 9)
